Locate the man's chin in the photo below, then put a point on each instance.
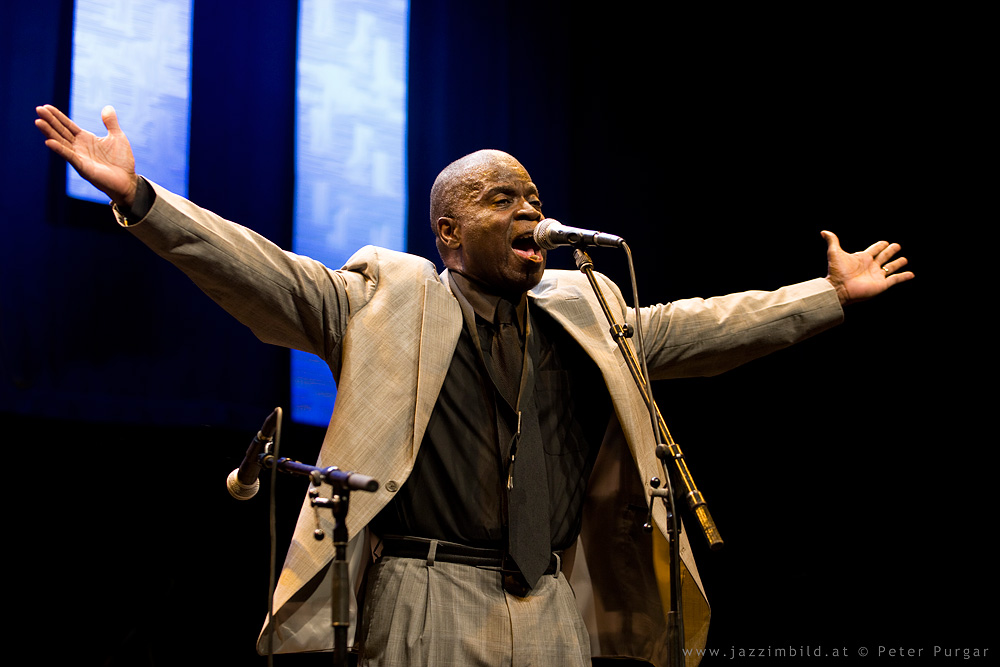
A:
(529, 280)
(511, 280)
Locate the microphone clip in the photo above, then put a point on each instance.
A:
(619, 331)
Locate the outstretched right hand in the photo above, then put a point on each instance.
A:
(107, 162)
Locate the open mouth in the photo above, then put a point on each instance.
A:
(524, 246)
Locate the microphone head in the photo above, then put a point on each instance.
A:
(542, 231)
(238, 489)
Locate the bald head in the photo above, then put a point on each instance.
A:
(463, 180)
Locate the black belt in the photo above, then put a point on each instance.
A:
(450, 552)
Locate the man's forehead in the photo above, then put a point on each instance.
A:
(498, 177)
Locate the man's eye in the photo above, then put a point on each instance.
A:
(537, 203)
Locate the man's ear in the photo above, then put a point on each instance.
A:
(450, 232)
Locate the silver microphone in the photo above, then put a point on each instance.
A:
(551, 234)
(242, 482)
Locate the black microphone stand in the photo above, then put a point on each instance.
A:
(338, 503)
(666, 449)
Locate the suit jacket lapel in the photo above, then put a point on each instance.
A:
(439, 332)
(568, 306)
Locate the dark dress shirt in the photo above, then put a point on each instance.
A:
(457, 490)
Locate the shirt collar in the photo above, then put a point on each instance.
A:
(483, 303)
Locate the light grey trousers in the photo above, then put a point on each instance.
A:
(418, 613)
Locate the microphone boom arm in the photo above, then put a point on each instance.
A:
(332, 475)
(670, 450)
(664, 452)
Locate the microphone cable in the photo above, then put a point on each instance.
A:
(273, 532)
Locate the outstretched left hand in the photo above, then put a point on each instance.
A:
(862, 275)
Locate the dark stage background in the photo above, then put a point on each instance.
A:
(844, 474)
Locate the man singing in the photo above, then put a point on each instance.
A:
(509, 438)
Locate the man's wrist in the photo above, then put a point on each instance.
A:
(131, 213)
(841, 291)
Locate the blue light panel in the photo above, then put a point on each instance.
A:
(136, 56)
(349, 150)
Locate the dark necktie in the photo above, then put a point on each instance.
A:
(528, 530)
(507, 352)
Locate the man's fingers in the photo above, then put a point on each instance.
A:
(876, 248)
(59, 122)
(887, 253)
(65, 120)
(894, 265)
(110, 118)
(899, 278)
(52, 137)
(58, 136)
(50, 126)
(65, 151)
(832, 242)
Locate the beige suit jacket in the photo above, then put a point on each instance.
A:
(387, 324)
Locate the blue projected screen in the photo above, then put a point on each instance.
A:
(136, 56)
(349, 151)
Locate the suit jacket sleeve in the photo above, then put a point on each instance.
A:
(285, 299)
(703, 337)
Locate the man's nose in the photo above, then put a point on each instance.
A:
(527, 211)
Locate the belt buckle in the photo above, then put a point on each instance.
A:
(512, 579)
(515, 584)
